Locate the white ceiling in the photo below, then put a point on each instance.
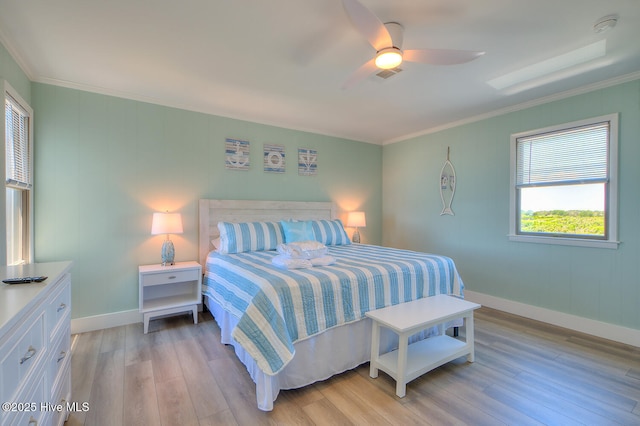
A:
(283, 62)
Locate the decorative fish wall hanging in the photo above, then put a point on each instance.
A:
(447, 186)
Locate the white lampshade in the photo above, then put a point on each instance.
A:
(356, 220)
(166, 223)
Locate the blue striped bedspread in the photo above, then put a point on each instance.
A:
(277, 307)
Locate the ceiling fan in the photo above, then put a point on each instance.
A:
(386, 39)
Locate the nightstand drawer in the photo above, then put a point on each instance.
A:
(169, 277)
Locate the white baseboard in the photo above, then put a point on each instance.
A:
(115, 319)
(99, 322)
(629, 336)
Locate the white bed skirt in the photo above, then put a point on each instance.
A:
(332, 352)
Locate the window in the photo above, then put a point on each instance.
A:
(564, 184)
(19, 177)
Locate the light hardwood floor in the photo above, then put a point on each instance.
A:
(525, 373)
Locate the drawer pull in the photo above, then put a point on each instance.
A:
(172, 277)
(62, 355)
(61, 307)
(30, 353)
(33, 421)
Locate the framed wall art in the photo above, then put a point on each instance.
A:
(307, 162)
(274, 158)
(236, 154)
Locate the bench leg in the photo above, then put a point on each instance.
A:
(468, 322)
(375, 349)
(401, 382)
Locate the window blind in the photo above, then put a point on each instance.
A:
(573, 156)
(17, 152)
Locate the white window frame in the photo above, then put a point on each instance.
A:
(27, 217)
(611, 241)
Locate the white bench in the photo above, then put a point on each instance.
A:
(411, 361)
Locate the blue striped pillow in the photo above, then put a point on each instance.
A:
(330, 232)
(249, 236)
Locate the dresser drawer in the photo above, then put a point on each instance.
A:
(59, 357)
(58, 306)
(62, 398)
(30, 406)
(168, 277)
(21, 353)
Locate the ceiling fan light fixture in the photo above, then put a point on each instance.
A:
(388, 58)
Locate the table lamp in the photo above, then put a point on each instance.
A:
(167, 223)
(356, 220)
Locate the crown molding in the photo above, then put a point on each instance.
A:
(536, 102)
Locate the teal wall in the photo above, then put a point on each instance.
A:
(599, 284)
(105, 164)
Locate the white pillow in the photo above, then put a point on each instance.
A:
(303, 250)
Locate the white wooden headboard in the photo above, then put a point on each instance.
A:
(213, 211)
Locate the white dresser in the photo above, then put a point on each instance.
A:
(35, 345)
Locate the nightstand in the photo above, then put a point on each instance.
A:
(171, 289)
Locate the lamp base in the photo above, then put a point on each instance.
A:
(356, 236)
(168, 253)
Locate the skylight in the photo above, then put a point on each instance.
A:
(550, 66)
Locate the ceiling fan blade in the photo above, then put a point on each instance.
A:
(360, 74)
(440, 56)
(368, 24)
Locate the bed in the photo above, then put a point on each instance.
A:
(294, 327)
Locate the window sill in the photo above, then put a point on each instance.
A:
(577, 242)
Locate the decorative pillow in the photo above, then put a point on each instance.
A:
(330, 232)
(249, 236)
(297, 231)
